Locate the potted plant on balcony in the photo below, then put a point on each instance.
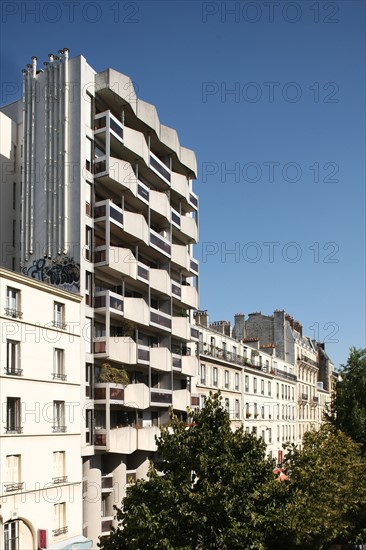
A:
(112, 375)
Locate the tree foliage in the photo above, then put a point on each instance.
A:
(213, 489)
(348, 409)
(324, 501)
(211, 494)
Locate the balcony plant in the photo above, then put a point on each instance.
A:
(112, 375)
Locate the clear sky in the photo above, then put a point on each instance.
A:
(271, 96)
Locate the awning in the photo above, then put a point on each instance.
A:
(75, 543)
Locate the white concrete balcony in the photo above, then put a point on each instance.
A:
(188, 227)
(136, 226)
(189, 365)
(115, 261)
(136, 143)
(137, 396)
(180, 256)
(176, 290)
(160, 281)
(122, 440)
(137, 310)
(189, 296)
(181, 328)
(116, 174)
(179, 184)
(181, 399)
(160, 204)
(161, 397)
(121, 349)
(161, 359)
(108, 212)
(146, 438)
(143, 272)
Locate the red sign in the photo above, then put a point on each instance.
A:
(42, 539)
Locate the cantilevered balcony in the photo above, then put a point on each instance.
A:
(120, 349)
(180, 185)
(107, 211)
(136, 145)
(137, 310)
(161, 359)
(115, 261)
(189, 296)
(109, 130)
(122, 440)
(181, 399)
(135, 227)
(189, 228)
(160, 281)
(182, 259)
(181, 328)
(137, 396)
(189, 365)
(146, 438)
(116, 174)
(160, 204)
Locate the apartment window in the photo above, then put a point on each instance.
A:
(88, 335)
(88, 154)
(59, 464)
(282, 391)
(11, 535)
(59, 519)
(264, 435)
(278, 433)
(14, 229)
(237, 409)
(262, 412)
(202, 401)
(227, 379)
(237, 381)
(215, 377)
(13, 475)
(269, 435)
(269, 388)
(203, 374)
(13, 303)
(246, 383)
(227, 405)
(88, 243)
(59, 315)
(88, 288)
(88, 380)
(88, 199)
(254, 385)
(267, 365)
(13, 358)
(293, 396)
(59, 365)
(277, 390)
(14, 194)
(58, 417)
(13, 418)
(262, 387)
(234, 353)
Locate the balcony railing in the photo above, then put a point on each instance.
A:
(177, 361)
(142, 272)
(15, 313)
(107, 482)
(176, 290)
(143, 192)
(143, 353)
(158, 166)
(58, 429)
(159, 242)
(315, 399)
(193, 199)
(14, 429)
(307, 359)
(161, 396)
(14, 486)
(59, 479)
(59, 531)
(14, 371)
(59, 324)
(59, 376)
(176, 218)
(160, 318)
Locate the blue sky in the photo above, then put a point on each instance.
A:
(271, 91)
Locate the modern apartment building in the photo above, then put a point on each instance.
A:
(40, 388)
(100, 193)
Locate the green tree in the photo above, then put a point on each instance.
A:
(324, 501)
(209, 489)
(348, 408)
